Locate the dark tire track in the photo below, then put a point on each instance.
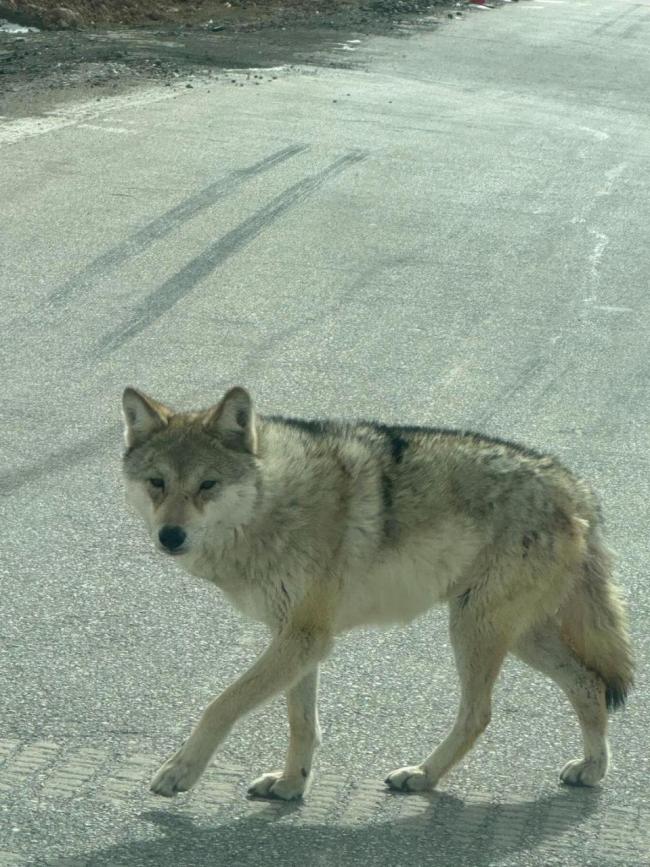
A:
(180, 284)
(168, 222)
(59, 460)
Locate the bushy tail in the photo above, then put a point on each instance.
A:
(594, 624)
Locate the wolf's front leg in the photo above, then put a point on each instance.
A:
(289, 657)
(304, 738)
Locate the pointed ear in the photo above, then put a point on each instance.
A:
(143, 416)
(233, 420)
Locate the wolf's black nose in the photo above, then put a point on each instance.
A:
(171, 537)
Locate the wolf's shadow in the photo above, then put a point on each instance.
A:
(446, 832)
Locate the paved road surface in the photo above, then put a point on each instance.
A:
(453, 231)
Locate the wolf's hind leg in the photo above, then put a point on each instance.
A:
(543, 649)
(479, 652)
(304, 738)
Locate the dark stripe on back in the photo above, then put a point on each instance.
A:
(390, 526)
(399, 435)
(400, 432)
(398, 446)
(314, 427)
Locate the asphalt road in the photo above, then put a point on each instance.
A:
(453, 231)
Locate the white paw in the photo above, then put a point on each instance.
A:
(178, 774)
(584, 772)
(411, 779)
(276, 785)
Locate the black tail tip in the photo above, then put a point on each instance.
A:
(616, 694)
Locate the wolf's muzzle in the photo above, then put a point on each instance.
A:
(172, 538)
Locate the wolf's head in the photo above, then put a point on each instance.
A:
(190, 475)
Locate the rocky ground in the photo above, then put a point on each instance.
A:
(53, 14)
(51, 52)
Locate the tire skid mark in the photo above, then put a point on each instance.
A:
(632, 29)
(523, 378)
(88, 448)
(168, 222)
(611, 22)
(181, 283)
(57, 461)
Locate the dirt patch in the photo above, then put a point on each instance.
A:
(69, 14)
(88, 47)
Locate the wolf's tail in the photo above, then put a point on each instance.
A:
(594, 624)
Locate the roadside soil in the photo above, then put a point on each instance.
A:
(89, 48)
(58, 14)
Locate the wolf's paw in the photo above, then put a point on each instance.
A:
(411, 779)
(584, 772)
(178, 774)
(276, 785)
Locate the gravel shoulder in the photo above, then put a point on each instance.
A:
(96, 50)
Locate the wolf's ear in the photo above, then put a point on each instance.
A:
(233, 420)
(143, 416)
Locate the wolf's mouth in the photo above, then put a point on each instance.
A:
(177, 552)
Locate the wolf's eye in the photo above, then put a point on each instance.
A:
(205, 486)
(157, 483)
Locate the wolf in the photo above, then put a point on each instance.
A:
(317, 527)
